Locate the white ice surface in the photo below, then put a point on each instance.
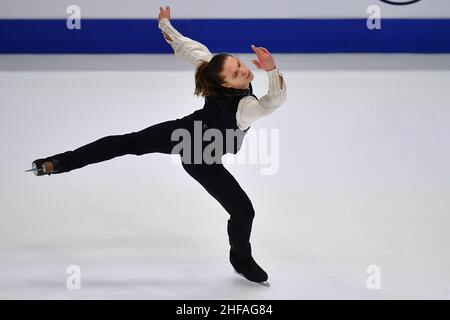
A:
(364, 179)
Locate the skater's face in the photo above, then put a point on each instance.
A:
(236, 74)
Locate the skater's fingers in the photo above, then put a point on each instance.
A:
(257, 64)
(257, 51)
(261, 50)
(264, 50)
(164, 12)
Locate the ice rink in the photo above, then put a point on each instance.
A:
(359, 180)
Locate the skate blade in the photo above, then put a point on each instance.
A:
(264, 284)
(34, 169)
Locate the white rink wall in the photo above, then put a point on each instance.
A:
(203, 9)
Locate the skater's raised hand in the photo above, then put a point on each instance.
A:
(164, 13)
(265, 60)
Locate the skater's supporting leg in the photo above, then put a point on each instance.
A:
(219, 183)
(156, 138)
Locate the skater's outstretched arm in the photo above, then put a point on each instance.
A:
(193, 51)
(251, 109)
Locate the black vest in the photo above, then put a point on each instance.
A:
(220, 112)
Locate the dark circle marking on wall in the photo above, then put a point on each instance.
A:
(399, 2)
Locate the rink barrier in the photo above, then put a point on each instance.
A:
(227, 35)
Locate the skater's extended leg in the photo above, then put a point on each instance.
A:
(156, 138)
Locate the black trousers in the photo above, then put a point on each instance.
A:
(214, 178)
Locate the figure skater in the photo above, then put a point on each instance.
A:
(224, 81)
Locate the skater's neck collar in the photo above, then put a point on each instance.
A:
(225, 92)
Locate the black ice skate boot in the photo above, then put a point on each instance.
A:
(249, 269)
(41, 167)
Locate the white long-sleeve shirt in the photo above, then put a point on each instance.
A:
(249, 108)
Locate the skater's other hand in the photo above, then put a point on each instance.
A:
(265, 60)
(164, 13)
